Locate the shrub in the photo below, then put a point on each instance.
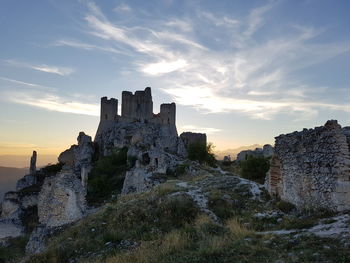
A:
(255, 168)
(107, 176)
(284, 206)
(202, 153)
(52, 169)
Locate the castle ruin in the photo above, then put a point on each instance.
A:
(137, 107)
(311, 168)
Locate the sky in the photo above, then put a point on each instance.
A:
(241, 71)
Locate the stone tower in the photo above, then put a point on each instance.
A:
(109, 109)
(138, 106)
(168, 113)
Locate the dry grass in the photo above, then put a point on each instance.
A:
(236, 228)
(167, 188)
(203, 219)
(153, 251)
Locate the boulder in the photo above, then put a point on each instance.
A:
(61, 200)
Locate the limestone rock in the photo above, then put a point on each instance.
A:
(10, 229)
(139, 180)
(61, 200)
(26, 181)
(10, 207)
(32, 169)
(38, 239)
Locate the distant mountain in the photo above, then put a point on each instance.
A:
(21, 161)
(9, 177)
(233, 152)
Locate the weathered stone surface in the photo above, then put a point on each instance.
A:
(32, 168)
(150, 138)
(10, 229)
(78, 158)
(10, 207)
(38, 239)
(139, 180)
(192, 137)
(61, 200)
(26, 181)
(311, 168)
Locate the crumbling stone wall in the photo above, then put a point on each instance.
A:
(137, 106)
(311, 168)
(192, 137)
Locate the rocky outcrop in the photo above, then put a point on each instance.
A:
(32, 168)
(78, 158)
(61, 200)
(311, 168)
(266, 151)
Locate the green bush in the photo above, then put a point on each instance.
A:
(107, 176)
(52, 169)
(255, 168)
(202, 153)
(284, 206)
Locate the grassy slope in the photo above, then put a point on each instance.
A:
(166, 225)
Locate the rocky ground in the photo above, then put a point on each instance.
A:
(205, 215)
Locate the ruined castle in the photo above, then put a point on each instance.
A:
(137, 107)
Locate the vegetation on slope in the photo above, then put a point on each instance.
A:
(107, 176)
(255, 168)
(202, 153)
(166, 225)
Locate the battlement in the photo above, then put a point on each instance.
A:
(137, 107)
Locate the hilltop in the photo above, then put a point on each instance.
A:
(139, 192)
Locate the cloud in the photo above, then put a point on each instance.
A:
(163, 67)
(194, 128)
(46, 98)
(62, 71)
(53, 102)
(85, 46)
(22, 83)
(220, 63)
(183, 25)
(122, 8)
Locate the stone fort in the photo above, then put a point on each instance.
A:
(137, 107)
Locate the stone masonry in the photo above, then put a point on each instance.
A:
(137, 107)
(311, 168)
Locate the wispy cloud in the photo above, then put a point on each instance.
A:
(86, 46)
(52, 102)
(47, 98)
(233, 70)
(62, 71)
(22, 83)
(122, 8)
(194, 128)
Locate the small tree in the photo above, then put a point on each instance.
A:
(255, 168)
(202, 153)
(107, 176)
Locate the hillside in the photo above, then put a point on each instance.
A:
(9, 177)
(205, 216)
